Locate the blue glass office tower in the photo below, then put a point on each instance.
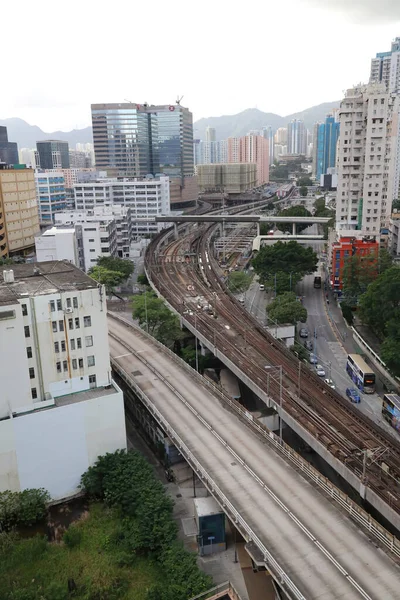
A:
(8, 150)
(326, 142)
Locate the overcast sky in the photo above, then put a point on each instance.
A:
(281, 56)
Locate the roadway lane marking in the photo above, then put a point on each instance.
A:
(122, 355)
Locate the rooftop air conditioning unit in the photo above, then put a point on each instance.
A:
(69, 310)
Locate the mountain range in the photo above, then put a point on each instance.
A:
(27, 135)
(252, 118)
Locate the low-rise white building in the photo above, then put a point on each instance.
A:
(57, 244)
(147, 199)
(59, 408)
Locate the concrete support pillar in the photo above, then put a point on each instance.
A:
(175, 231)
(293, 228)
(258, 227)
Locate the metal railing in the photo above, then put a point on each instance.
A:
(391, 542)
(222, 589)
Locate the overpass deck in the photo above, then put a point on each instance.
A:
(229, 218)
(308, 543)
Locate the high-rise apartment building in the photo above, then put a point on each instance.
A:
(59, 407)
(19, 217)
(229, 178)
(50, 193)
(8, 150)
(137, 140)
(52, 154)
(268, 133)
(251, 149)
(281, 136)
(297, 137)
(385, 68)
(324, 146)
(211, 134)
(368, 160)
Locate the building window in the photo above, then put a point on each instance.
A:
(79, 343)
(24, 310)
(59, 305)
(77, 324)
(87, 321)
(81, 363)
(31, 373)
(58, 365)
(68, 302)
(27, 331)
(56, 347)
(29, 352)
(65, 365)
(70, 323)
(62, 345)
(74, 364)
(52, 305)
(61, 325)
(72, 344)
(89, 341)
(75, 302)
(92, 250)
(34, 393)
(90, 361)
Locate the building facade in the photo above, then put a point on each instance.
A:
(229, 178)
(137, 140)
(326, 137)
(368, 160)
(281, 136)
(59, 408)
(251, 149)
(146, 199)
(296, 137)
(268, 133)
(385, 68)
(19, 215)
(343, 249)
(51, 196)
(57, 243)
(52, 154)
(8, 150)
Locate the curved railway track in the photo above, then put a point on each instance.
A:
(185, 271)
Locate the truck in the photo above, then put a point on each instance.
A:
(317, 281)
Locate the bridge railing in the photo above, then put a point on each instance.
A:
(358, 514)
(232, 513)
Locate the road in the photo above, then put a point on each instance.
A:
(321, 549)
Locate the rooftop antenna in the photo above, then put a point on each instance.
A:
(178, 100)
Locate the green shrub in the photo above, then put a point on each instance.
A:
(72, 537)
(22, 508)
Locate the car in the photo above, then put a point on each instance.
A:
(313, 359)
(262, 287)
(303, 333)
(308, 345)
(353, 394)
(320, 370)
(330, 383)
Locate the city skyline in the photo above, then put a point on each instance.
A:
(68, 107)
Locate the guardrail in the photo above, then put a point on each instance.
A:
(391, 542)
(395, 381)
(225, 588)
(211, 485)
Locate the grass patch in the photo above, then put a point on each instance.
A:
(92, 557)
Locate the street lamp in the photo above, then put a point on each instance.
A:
(268, 367)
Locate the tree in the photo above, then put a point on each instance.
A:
(347, 313)
(142, 279)
(238, 281)
(283, 282)
(379, 306)
(396, 205)
(293, 211)
(285, 257)
(106, 277)
(390, 348)
(112, 263)
(361, 270)
(286, 309)
(154, 316)
(303, 191)
(270, 206)
(22, 508)
(304, 181)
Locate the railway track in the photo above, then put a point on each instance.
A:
(187, 273)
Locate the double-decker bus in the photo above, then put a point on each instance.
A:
(391, 410)
(361, 373)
